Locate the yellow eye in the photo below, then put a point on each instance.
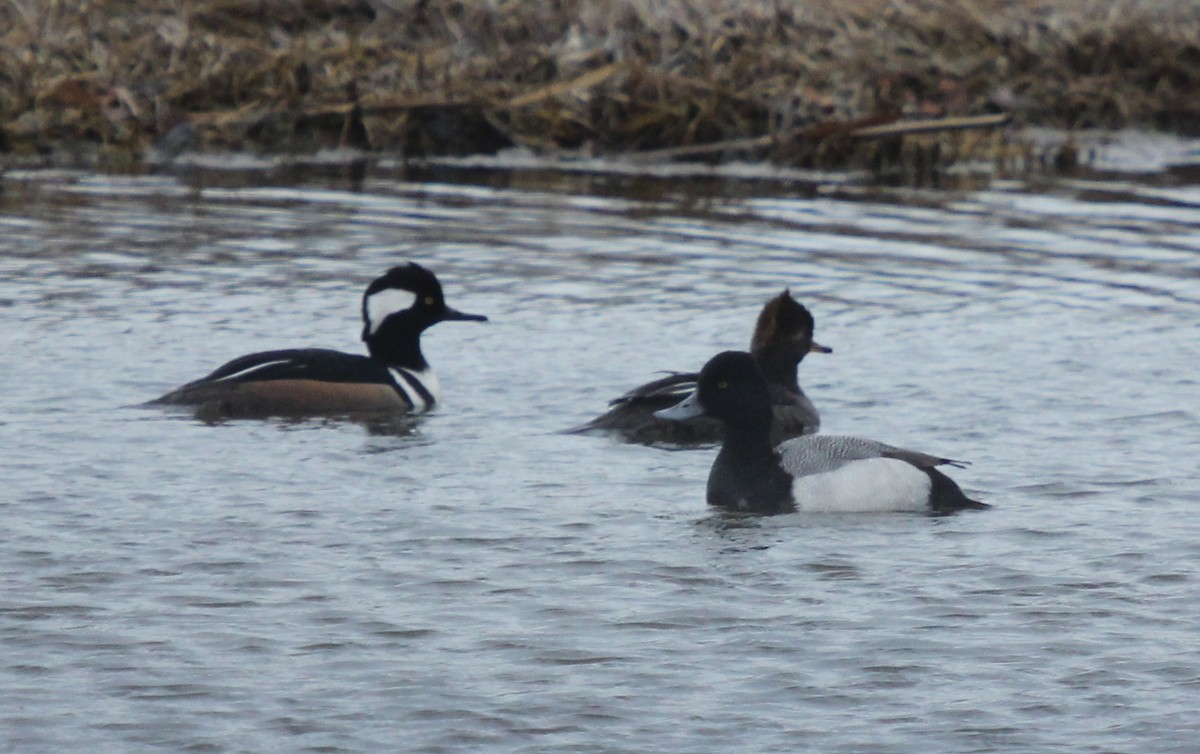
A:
(722, 384)
(429, 300)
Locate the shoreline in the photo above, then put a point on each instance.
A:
(889, 88)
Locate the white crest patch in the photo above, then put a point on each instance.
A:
(385, 303)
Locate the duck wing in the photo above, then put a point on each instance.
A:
(297, 364)
(816, 454)
(667, 390)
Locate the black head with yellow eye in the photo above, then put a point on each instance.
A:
(408, 296)
(730, 388)
(397, 307)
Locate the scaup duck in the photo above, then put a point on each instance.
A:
(809, 473)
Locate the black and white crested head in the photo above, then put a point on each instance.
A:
(398, 306)
(410, 292)
(399, 291)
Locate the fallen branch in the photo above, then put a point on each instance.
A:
(900, 128)
(826, 130)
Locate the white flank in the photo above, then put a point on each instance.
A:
(405, 377)
(252, 370)
(385, 303)
(869, 485)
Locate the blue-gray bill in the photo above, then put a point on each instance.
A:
(688, 408)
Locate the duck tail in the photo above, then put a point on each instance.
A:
(947, 497)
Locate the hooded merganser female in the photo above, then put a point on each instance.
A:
(810, 473)
(783, 336)
(394, 378)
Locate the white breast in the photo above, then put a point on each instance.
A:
(868, 485)
(407, 379)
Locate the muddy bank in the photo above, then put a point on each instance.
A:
(867, 83)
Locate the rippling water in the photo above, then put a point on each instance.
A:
(477, 581)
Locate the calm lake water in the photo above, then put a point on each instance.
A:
(476, 581)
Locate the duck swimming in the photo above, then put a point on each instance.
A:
(808, 473)
(783, 336)
(394, 377)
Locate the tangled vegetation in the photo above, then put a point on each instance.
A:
(828, 85)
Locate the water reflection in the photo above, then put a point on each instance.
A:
(383, 424)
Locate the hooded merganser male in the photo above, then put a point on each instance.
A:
(394, 378)
(810, 473)
(783, 336)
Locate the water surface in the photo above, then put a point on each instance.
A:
(475, 580)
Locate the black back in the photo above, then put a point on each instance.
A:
(321, 364)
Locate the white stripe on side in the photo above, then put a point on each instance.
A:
(865, 486)
(252, 370)
(406, 379)
(385, 303)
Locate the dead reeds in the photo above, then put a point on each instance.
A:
(830, 85)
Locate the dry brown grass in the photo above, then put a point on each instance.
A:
(789, 81)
